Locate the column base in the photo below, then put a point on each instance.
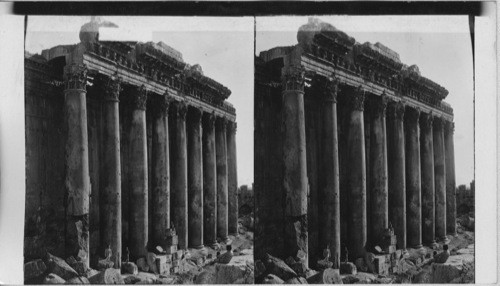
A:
(454, 234)
(197, 246)
(444, 240)
(236, 234)
(433, 244)
(418, 246)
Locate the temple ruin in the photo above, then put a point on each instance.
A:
(125, 143)
(349, 143)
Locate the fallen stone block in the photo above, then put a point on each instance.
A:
(229, 273)
(279, 268)
(34, 269)
(350, 279)
(360, 264)
(52, 278)
(172, 240)
(142, 265)
(205, 277)
(104, 264)
(299, 268)
(297, 280)
(80, 267)
(151, 260)
(260, 268)
(129, 268)
(78, 280)
(59, 267)
(132, 279)
(171, 249)
(326, 276)
(272, 279)
(90, 272)
(348, 268)
(108, 276)
(146, 278)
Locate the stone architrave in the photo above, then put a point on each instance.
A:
(413, 179)
(110, 201)
(161, 171)
(195, 179)
(379, 193)
(138, 197)
(329, 228)
(440, 180)
(77, 181)
(356, 158)
(451, 203)
(232, 179)
(209, 181)
(396, 171)
(222, 195)
(294, 157)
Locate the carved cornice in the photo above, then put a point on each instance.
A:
(112, 89)
(75, 77)
(140, 97)
(357, 99)
(413, 114)
(293, 78)
(426, 121)
(396, 110)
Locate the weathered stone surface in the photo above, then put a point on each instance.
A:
(151, 260)
(327, 276)
(297, 280)
(260, 268)
(454, 266)
(132, 279)
(78, 280)
(108, 276)
(279, 268)
(105, 264)
(129, 268)
(53, 279)
(299, 268)
(272, 279)
(34, 269)
(59, 267)
(142, 264)
(146, 278)
(229, 273)
(80, 267)
(310, 272)
(90, 272)
(348, 268)
(205, 277)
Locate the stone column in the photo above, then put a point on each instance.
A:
(222, 196)
(427, 166)
(77, 181)
(138, 198)
(195, 179)
(396, 168)
(413, 182)
(356, 176)
(232, 179)
(294, 158)
(180, 176)
(209, 181)
(329, 227)
(440, 180)
(379, 193)
(111, 201)
(161, 171)
(451, 203)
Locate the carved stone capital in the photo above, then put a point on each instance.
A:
(140, 97)
(209, 120)
(293, 78)
(396, 110)
(357, 99)
(231, 127)
(378, 105)
(221, 122)
(162, 105)
(112, 89)
(449, 126)
(438, 123)
(75, 77)
(426, 121)
(181, 110)
(195, 114)
(413, 114)
(331, 89)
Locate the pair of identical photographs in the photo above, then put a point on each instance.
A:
(241, 150)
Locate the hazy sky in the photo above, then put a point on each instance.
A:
(439, 45)
(223, 47)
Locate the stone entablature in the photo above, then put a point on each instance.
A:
(326, 50)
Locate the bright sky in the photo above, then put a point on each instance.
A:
(223, 47)
(439, 45)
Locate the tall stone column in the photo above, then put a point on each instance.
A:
(379, 193)
(232, 179)
(180, 176)
(356, 176)
(294, 158)
(195, 179)
(329, 228)
(413, 179)
(110, 200)
(427, 166)
(161, 171)
(209, 181)
(451, 203)
(222, 196)
(77, 181)
(138, 224)
(440, 180)
(396, 168)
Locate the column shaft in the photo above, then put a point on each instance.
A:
(77, 180)
(179, 177)
(110, 201)
(329, 227)
(232, 179)
(379, 194)
(439, 180)
(413, 182)
(195, 180)
(396, 168)
(161, 172)
(294, 157)
(356, 177)
(209, 181)
(222, 196)
(427, 166)
(138, 234)
(451, 203)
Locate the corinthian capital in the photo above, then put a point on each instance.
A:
(293, 78)
(396, 110)
(357, 99)
(331, 89)
(112, 89)
(450, 127)
(75, 77)
(413, 114)
(208, 120)
(140, 98)
(378, 105)
(181, 109)
(426, 122)
(162, 105)
(231, 127)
